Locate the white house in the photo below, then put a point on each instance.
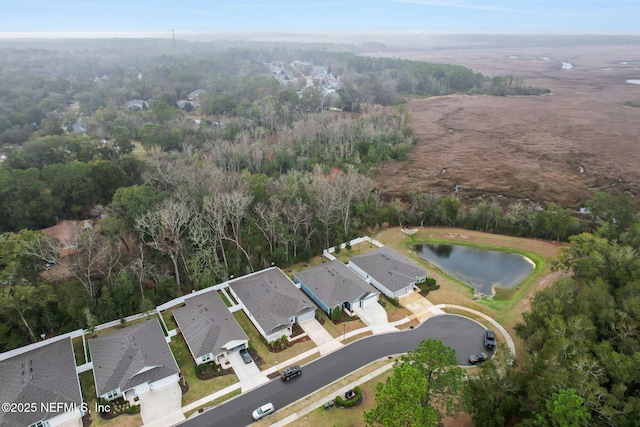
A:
(272, 302)
(43, 385)
(209, 328)
(393, 274)
(132, 361)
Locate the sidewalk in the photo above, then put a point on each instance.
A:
(422, 310)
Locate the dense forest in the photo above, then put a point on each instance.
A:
(197, 162)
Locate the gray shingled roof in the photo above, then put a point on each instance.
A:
(271, 297)
(45, 374)
(388, 267)
(334, 283)
(207, 324)
(120, 356)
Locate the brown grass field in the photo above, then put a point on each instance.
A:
(527, 148)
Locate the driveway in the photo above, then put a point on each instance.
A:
(464, 335)
(162, 407)
(376, 318)
(319, 335)
(419, 306)
(248, 373)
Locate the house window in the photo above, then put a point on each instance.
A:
(206, 358)
(112, 394)
(40, 424)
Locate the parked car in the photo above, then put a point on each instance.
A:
(290, 372)
(489, 339)
(246, 357)
(263, 411)
(478, 357)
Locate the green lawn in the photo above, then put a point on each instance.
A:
(168, 319)
(78, 349)
(197, 388)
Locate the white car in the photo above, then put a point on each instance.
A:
(263, 411)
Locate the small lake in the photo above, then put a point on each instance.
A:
(479, 268)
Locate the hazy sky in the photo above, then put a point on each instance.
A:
(522, 16)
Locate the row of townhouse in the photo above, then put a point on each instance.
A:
(129, 361)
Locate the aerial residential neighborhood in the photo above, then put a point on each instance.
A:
(133, 361)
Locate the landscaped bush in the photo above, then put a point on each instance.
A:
(354, 401)
(210, 370)
(336, 314)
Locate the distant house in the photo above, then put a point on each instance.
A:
(138, 105)
(195, 94)
(393, 274)
(44, 378)
(209, 328)
(272, 302)
(334, 284)
(132, 361)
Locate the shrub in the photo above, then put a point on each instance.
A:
(336, 314)
(355, 400)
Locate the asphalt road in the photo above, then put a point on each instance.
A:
(462, 334)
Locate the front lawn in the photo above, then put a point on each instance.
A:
(197, 388)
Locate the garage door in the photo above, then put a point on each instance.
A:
(371, 299)
(307, 316)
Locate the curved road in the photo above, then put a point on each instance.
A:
(462, 334)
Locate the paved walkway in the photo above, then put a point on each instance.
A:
(421, 308)
(319, 335)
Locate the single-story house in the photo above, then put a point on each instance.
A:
(272, 302)
(195, 94)
(138, 105)
(132, 361)
(334, 284)
(391, 273)
(209, 328)
(44, 386)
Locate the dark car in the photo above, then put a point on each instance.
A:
(478, 357)
(246, 356)
(290, 372)
(489, 339)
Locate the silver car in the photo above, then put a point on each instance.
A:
(263, 411)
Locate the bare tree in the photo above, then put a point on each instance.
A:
(269, 222)
(325, 194)
(350, 187)
(297, 214)
(164, 227)
(87, 263)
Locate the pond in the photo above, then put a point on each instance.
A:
(479, 268)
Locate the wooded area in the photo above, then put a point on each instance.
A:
(256, 172)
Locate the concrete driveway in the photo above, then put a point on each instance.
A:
(162, 407)
(248, 373)
(376, 318)
(319, 335)
(419, 305)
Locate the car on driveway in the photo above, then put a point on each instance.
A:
(478, 357)
(290, 372)
(246, 357)
(263, 411)
(489, 339)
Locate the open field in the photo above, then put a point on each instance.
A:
(560, 147)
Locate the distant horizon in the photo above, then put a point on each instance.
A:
(190, 35)
(73, 17)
